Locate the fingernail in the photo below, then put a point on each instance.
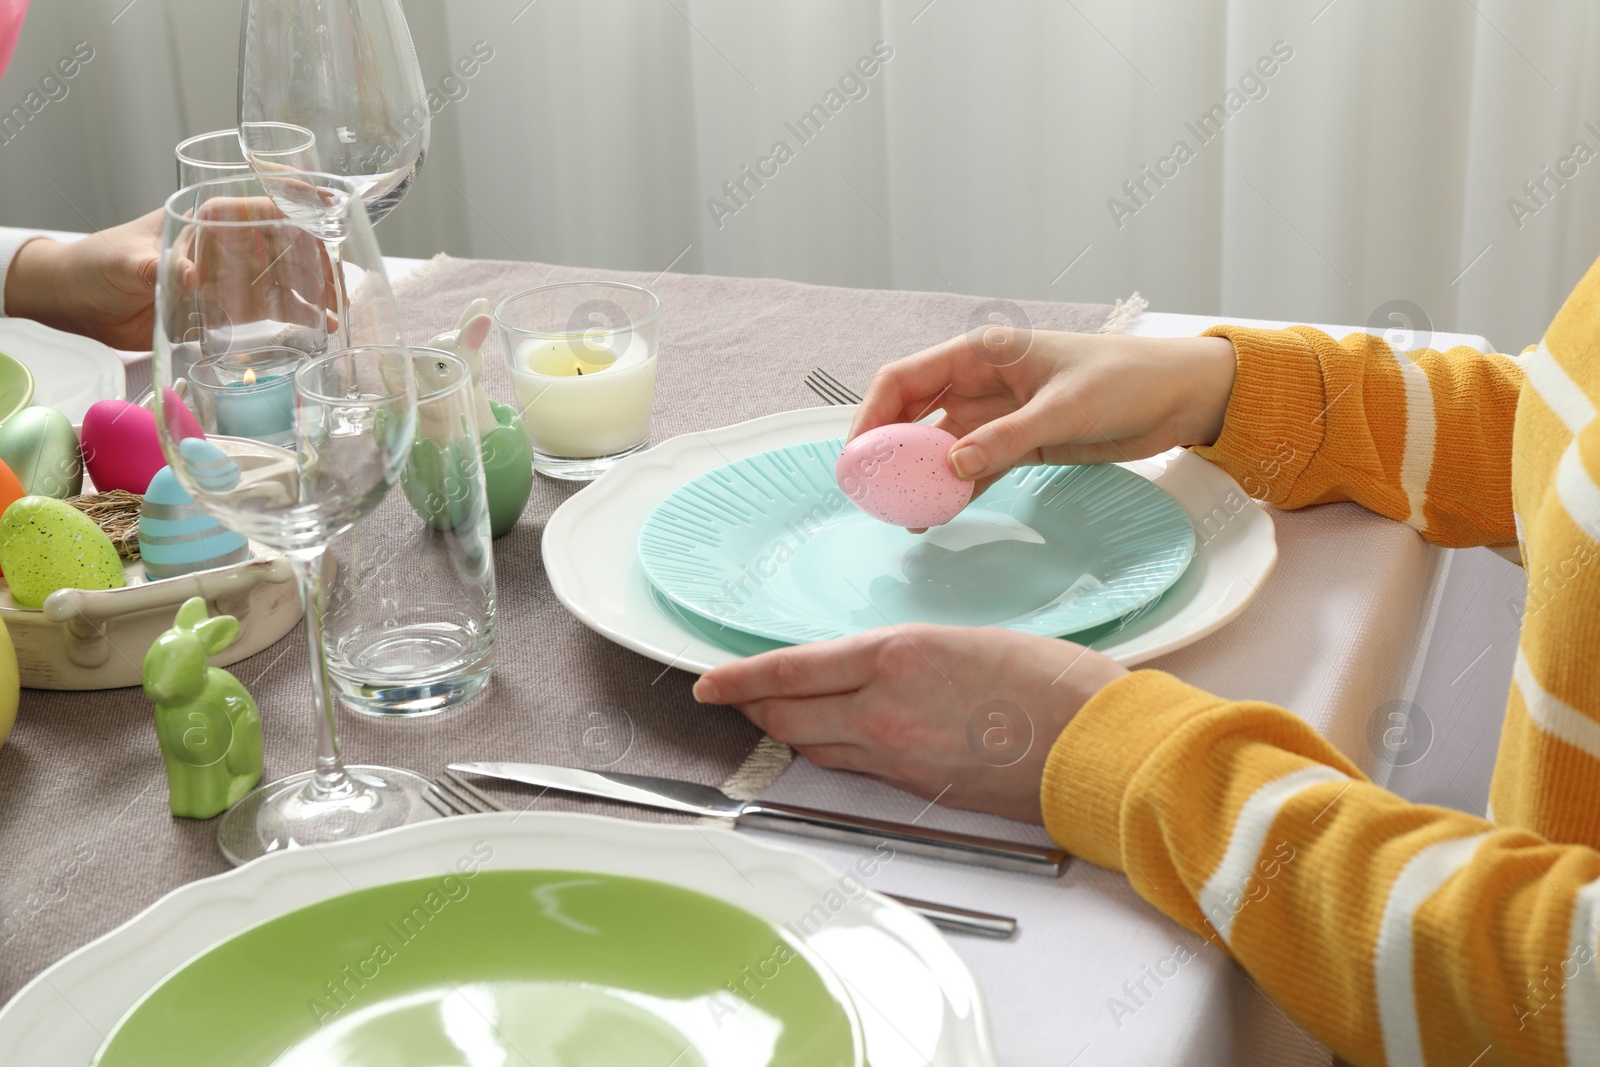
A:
(967, 461)
(705, 691)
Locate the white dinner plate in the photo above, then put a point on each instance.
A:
(918, 1003)
(590, 546)
(69, 372)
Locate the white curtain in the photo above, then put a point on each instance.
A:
(1381, 161)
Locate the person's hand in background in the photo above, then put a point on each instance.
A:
(1019, 397)
(102, 286)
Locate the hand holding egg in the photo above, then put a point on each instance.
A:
(900, 474)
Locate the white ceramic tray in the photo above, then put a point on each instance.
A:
(591, 556)
(919, 1004)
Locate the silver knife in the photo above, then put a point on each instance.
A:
(669, 794)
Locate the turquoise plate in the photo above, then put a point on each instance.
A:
(769, 546)
(519, 967)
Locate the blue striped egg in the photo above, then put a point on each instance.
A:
(176, 535)
(211, 468)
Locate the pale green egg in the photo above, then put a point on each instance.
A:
(47, 545)
(40, 447)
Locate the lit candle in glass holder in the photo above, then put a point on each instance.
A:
(582, 357)
(248, 394)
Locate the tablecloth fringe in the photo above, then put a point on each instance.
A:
(759, 769)
(1123, 312)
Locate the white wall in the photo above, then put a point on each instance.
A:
(1377, 167)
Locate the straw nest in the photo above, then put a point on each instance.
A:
(117, 513)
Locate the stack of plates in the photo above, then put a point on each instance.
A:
(533, 938)
(737, 541)
(769, 546)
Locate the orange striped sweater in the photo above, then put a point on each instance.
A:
(1398, 934)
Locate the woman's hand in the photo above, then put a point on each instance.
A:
(102, 286)
(1018, 397)
(965, 715)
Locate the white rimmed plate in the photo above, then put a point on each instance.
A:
(590, 546)
(69, 372)
(918, 1003)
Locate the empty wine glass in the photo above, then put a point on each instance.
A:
(345, 73)
(354, 414)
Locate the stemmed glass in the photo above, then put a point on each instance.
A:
(230, 251)
(344, 72)
(332, 86)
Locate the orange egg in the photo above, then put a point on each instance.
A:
(10, 489)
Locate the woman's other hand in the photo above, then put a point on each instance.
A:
(966, 715)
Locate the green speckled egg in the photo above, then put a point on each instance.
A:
(40, 447)
(47, 545)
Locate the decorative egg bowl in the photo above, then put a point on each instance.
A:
(96, 639)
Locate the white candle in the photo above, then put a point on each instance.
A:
(582, 398)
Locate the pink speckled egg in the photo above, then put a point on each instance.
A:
(900, 474)
(121, 447)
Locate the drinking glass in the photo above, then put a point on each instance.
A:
(411, 611)
(582, 357)
(354, 418)
(218, 154)
(344, 74)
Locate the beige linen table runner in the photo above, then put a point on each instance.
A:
(85, 837)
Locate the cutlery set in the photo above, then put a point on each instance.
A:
(453, 794)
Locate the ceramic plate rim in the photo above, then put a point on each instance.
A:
(602, 521)
(105, 358)
(1035, 622)
(113, 972)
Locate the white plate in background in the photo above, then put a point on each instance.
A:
(70, 372)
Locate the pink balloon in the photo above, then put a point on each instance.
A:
(11, 15)
(121, 447)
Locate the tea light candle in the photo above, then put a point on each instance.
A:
(582, 397)
(260, 408)
(248, 394)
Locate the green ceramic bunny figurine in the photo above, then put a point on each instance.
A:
(208, 725)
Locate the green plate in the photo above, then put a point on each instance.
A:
(533, 968)
(768, 545)
(16, 386)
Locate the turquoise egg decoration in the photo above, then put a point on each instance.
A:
(212, 468)
(176, 535)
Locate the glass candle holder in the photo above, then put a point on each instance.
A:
(248, 393)
(582, 357)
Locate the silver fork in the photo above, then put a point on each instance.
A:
(454, 795)
(831, 389)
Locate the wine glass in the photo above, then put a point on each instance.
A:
(229, 251)
(345, 73)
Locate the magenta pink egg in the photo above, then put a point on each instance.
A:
(121, 447)
(900, 474)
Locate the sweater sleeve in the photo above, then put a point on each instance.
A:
(1422, 437)
(1398, 934)
(10, 245)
